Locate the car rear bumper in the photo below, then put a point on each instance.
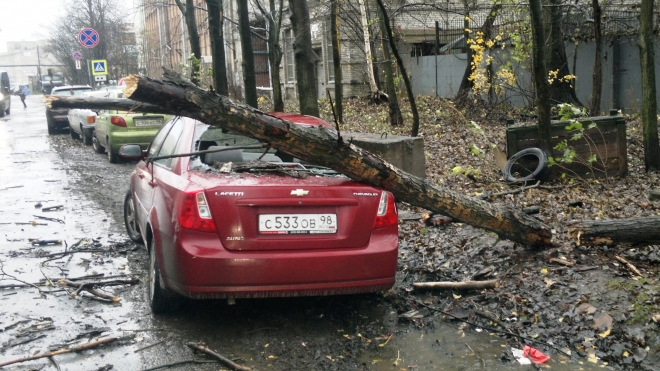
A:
(202, 269)
(143, 138)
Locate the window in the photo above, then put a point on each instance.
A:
(169, 144)
(288, 51)
(158, 139)
(329, 55)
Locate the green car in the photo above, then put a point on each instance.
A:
(113, 129)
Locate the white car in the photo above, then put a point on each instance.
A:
(81, 121)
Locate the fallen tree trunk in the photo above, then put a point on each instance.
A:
(611, 232)
(324, 147)
(466, 285)
(120, 104)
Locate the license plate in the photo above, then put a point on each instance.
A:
(297, 223)
(147, 122)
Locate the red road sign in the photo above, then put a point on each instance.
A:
(88, 37)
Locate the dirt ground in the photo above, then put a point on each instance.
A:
(538, 303)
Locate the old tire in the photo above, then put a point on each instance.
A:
(160, 300)
(113, 157)
(86, 136)
(130, 220)
(98, 148)
(518, 168)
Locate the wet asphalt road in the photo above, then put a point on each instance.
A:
(335, 333)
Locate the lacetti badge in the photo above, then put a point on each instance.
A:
(299, 192)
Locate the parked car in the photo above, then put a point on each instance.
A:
(114, 128)
(218, 226)
(81, 121)
(58, 118)
(5, 94)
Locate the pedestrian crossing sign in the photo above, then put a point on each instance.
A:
(99, 67)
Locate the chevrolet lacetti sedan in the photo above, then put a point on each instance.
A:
(223, 218)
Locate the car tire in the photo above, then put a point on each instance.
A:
(2, 113)
(161, 301)
(86, 136)
(8, 111)
(98, 148)
(113, 157)
(73, 133)
(130, 219)
(540, 173)
(51, 124)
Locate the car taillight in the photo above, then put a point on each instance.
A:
(117, 121)
(194, 213)
(387, 213)
(91, 119)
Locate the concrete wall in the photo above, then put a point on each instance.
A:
(621, 74)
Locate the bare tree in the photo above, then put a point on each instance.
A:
(649, 105)
(597, 82)
(396, 119)
(274, 19)
(304, 58)
(367, 50)
(411, 97)
(561, 89)
(216, 34)
(188, 11)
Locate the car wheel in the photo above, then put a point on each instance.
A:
(160, 300)
(86, 136)
(98, 148)
(130, 219)
(73, 133)
(51, 125)
(2, 113)
(8, 110)
(113, 157)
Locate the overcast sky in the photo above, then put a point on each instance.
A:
(29, 19)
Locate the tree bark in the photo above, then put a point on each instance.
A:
(597, 80)
(193, 37)
(540, 76)
(119, 104)
(304, 58)
(275, 55)
(612, 232)
(249, 77)
(561, 91)
(396, 119)
(367, 49)
(649, 105)
(404, 74)
(321, 146)
(216, 34)
(335, 35)
(466, 83)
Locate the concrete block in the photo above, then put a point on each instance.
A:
(406, 153)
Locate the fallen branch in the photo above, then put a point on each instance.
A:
(488, 195)
(226, 361)
(319, 145)
(562, 262)
(79, 348)
(177, 363)
(467, 285)
(643, 231)
(89, 287)
(629, 265)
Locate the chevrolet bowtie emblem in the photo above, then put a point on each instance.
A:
(299, 192)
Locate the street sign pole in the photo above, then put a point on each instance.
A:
(89, 72)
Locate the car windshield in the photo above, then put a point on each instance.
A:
(75, 91)
(245, 155)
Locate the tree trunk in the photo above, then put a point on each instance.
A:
(396, 119)
(466, 83)
(304, 58)
(540, 76)
(249, 77)
(275, 55)
(367, 50)
(612, 232)
(649, 105)
(404, 74)
(597, 82)
(216, 34)
(188, 12)
(335, 36)
(561, 91)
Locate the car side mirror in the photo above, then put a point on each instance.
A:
(132, 151)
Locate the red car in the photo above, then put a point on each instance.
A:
(221, 221)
